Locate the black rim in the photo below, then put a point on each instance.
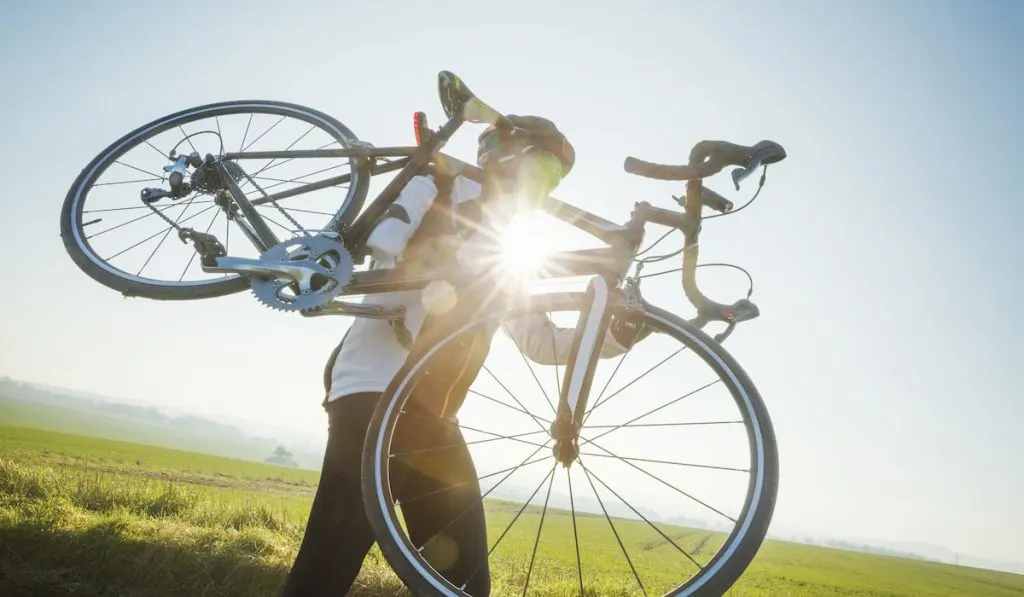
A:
(201, 219)
(755, 521)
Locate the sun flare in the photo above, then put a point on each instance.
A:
(524, 250)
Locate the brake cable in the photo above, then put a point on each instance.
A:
(654, 259)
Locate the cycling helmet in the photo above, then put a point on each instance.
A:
(531, 133)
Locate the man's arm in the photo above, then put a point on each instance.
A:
(544, 343)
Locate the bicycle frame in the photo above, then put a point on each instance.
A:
(607, 266)
(614, 259)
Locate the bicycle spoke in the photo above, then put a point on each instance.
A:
(615, 371)
(614, 530)
(511, 395)
(612, 376)
(636, 379)
(283, 162)
(472, 443)
(194, 253)
(311, 211)
(187, 138)
(689, 424)
(478, 479)
(539, 420)
(280, 181)
(653, 461)
(162, 153)
(575, 533)
(166, 234)
(227, 235)
(497, 436)
(494, 436)
(482, 496)
(132, 221)
(110, 184)
(241, 147)
(250, 179)
(666, 483)
(540, 527)
(535, 378)
(104, 210)
(254, 141)
(271, 162)
(152, 236)
(147, 172)
(278, 224)
(637, 512)
(512, 522)
(652, 411)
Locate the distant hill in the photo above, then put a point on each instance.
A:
(43, 407)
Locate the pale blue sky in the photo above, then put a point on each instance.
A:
(885, 249)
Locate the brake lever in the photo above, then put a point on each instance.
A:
(726, 333)
(741, 310)
(765, 153)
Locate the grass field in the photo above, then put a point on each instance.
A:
(86, 516)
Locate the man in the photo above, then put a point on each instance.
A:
(520, 168)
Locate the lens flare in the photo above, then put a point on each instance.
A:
(524, 250)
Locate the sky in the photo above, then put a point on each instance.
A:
(885, 249)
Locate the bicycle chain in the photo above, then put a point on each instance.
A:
(288, 216)
(170, 222)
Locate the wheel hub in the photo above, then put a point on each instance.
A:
(566, 435)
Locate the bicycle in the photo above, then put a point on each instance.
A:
(312, 271)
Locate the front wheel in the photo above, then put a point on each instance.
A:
(133, 247)
(672, 492)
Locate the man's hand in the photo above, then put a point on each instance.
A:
(628, 330)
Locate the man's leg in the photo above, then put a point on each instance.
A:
(338, 535)
(440, 496)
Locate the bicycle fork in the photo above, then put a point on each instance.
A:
(581, 361)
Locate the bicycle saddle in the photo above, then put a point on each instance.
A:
(453, 92)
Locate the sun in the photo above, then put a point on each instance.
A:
(524, 248)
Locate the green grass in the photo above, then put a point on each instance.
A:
(85, 516)
(57, 448)
(104, 425)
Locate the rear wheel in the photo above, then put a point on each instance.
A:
(126, 245)
(686, 518)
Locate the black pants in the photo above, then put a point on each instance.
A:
(338, 534)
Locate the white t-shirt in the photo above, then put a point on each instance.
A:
(371, 354)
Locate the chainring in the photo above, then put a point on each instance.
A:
(330, 266)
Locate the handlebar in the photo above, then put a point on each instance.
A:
(707, 158)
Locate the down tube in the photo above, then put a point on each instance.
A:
(585, 350)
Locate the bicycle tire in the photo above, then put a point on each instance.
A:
(107, 275)
(727, 565)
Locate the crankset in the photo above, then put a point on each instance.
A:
(300, 274)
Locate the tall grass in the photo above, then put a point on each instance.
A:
(66, 532)
(93, 521)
